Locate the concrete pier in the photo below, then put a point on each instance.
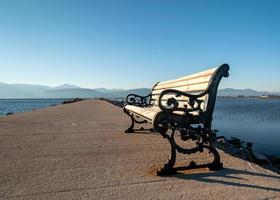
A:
(80, 151)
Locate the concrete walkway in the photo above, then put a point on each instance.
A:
(80, 151)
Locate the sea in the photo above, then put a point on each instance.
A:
(253, 120)
(249, 119)
(23, 105)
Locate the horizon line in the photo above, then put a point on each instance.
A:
(94, 88)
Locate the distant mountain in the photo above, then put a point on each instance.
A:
(66, 86)
(104, 90)
(72, 91)
(63, 91)
(243, 92)
(124, 93)
(22, 90)
(41, 91)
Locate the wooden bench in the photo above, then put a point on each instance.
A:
(181, 110)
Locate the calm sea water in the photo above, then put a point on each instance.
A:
(22, 105)
(254, 120)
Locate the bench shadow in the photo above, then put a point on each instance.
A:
(145, 132)
(228, 173)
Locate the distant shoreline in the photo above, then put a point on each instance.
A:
(250, 97)
(5, 104)
(35, 98)
(114, 98)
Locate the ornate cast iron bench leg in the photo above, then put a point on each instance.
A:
(131, 129)
(161, 125)
(168, 168)
(216, 164)
(203, 137)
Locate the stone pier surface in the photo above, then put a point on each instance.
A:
(80, 151)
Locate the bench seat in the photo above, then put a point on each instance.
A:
(150, 113)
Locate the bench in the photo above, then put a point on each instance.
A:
(181, 110)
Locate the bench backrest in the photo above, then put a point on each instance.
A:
(205, 81)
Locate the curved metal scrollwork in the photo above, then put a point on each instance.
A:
(137, 100)
(162, 124)
(186, 132)
(201, 136)
(190, 133)
(192, 104)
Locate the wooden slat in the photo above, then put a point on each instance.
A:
(170, 96)
(181, 104)
(194, 84)
(193, 76)
(204, 79)
(186, 88)
(147, 113)
(182, 100)
(166, 97)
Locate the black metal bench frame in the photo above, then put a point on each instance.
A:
(188, 126)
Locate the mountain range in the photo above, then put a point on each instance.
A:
(71, 91)
(244, 92)
(20, 91)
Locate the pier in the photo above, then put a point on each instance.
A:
(80, 151)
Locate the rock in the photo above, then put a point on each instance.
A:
(237, 143)
(221, 139)
(71, 101)
(277, 166)
(248, 152)
(114, 102)
(236, 147)
(9, 113)
(260, 159)
(275, 160)
(249, 145)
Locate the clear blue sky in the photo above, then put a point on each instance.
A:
(131, 44)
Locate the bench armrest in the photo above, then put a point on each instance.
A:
(172, 104)
(137, 100)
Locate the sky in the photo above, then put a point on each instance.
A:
(134, 44)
